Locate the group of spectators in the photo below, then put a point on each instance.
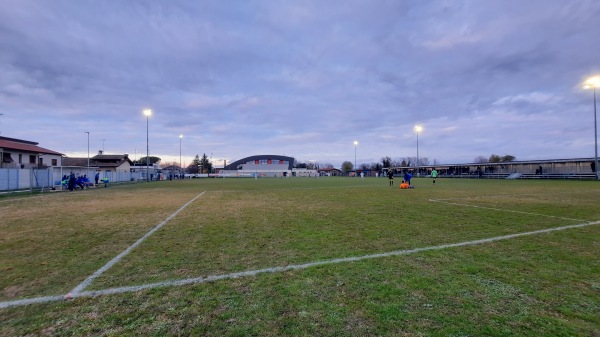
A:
(81, 181)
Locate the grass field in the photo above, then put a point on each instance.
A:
(303, 257)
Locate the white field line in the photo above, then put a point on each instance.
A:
(28, 301)
(502, 210)
(294, 188)
(489, 196)
(118, 258)
(198, 280)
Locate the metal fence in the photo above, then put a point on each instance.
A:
(14, 179)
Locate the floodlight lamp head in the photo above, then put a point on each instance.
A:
(356, 142)
(147, 112)
(593, 82)
(418, 128)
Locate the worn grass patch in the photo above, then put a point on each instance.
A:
(544, 284)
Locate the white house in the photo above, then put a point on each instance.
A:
(23, 154)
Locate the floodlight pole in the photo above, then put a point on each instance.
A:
(418, 129)
(595, 138)
(88, 158)
(417, 153)
(592, 83)
(180, 168)
(147, 112)
(355, 168)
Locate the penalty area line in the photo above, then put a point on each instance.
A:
(441, 201)
(118, 258)
(198, 280)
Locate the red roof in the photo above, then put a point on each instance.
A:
(25, 146)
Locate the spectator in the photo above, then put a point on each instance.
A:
(72, 182)
(79, 182)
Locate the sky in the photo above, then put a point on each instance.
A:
(301, 78)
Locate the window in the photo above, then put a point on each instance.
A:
(54, 162)
(20, 158)
(6, 157)
(31, 159)
(41, 161)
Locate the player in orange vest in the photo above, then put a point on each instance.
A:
(404, 184)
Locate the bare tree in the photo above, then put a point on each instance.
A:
(480, 160)
(169, 163)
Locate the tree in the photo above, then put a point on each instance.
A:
(194, 166)
(480, 160)
(142, 161)
(205, 164)
(326, 165)
(386, 161)
(494, 158)
(347, 167)
(167, 164)
(311, 166)
(507, 158)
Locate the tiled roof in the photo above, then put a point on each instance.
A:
(25, 146)
(75, 162)
(97, 161)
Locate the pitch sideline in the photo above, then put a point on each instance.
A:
(198, 280)
(118, 258)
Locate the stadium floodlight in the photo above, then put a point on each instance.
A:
(147, 113)
(418, 129)
(180, 167)
(355, 169)
(88, 158)
(594, 83)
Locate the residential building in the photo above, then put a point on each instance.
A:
(24, 154)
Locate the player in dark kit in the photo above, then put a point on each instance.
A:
(391, 177)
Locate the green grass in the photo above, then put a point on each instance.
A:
(543, 284)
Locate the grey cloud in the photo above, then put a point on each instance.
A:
(300, 77)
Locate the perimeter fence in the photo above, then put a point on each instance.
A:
(15, 179)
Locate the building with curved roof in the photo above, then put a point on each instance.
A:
(263, 165)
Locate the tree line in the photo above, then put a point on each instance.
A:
(198, 165)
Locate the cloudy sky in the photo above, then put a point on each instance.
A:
(302, 78)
